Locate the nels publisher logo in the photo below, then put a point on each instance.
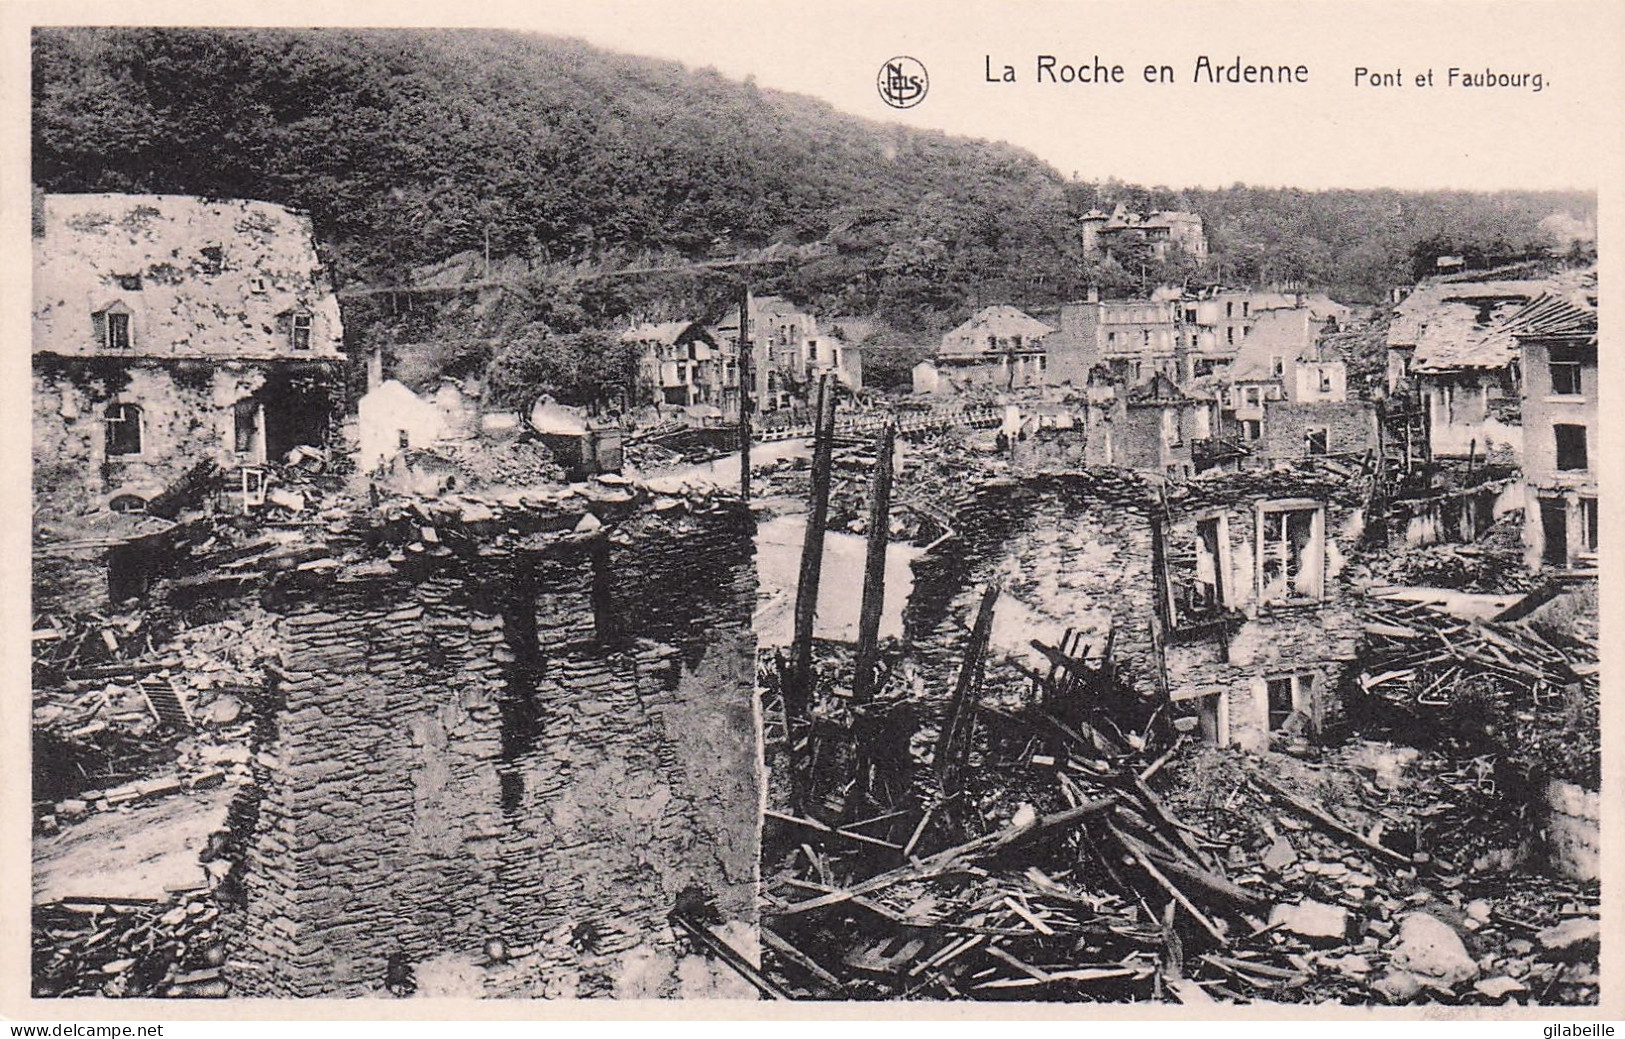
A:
(902, 82)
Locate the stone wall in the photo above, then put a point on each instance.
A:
(1351, 427)
(1071, 550)
(1224, 668)
(546, 748)
(1572, 817)
(186, 417)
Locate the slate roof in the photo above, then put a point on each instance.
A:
(1460, 325)
(664, 332)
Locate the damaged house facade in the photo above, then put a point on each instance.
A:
(997, 348)
(682, 364)
(1557, 344)
(1260, 626)
(170, 331)
(1466, 381)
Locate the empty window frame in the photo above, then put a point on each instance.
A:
(1325, 380)
(1554, 531)
(1571, 446)
(1315, 440)
(1566, 379)
(112, 327)
(1588, 526)
(1291, 552)
(1287, 695)
(1199, 572)
(248, 420)
(123, 430)
(299, 330)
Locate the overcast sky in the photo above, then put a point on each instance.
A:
(1327, 133)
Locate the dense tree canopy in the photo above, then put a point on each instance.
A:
(408, 147)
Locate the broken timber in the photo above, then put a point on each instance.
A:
(874, 568)
(716, 946)
(953, 744)
(798, 691)
(1327, 821)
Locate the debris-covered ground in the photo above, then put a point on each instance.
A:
(1011, 834)
(1058, 872)
(1016, 835)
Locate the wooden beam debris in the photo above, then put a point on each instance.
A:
(874, 567)
(954, 741)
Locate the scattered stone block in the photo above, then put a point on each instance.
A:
(1499, 988)
(1397, 987)
(1313, 920)
(1430, 947)
(1571, 940)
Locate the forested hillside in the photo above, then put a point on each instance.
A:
(409, 147)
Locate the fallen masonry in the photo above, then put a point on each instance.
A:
(1134, 742)
(1027, 810)
(480, 745)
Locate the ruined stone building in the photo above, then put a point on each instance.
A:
(1261, 629)
(1154, 427)
(1227, 595)
(997, 348)
(1466, 381)
(790, 352)
(1556, 337)
(548, 739)
(169, 331)
(683, 364)
(1135, 339)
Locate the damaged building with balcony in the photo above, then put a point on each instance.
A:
(1465, 381)
(682, 364)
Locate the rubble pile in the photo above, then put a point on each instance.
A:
(176, 701)
(1017, 833)
(1058, 872)
(179, 692)
(1492, 563)
(1496, 687)
(1374, 837)
(479, 465)
(130, 948)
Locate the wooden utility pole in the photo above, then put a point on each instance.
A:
(874, 567)
(747, 365)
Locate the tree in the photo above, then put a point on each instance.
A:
(592, 369)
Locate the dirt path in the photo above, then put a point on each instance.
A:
(131, 854)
